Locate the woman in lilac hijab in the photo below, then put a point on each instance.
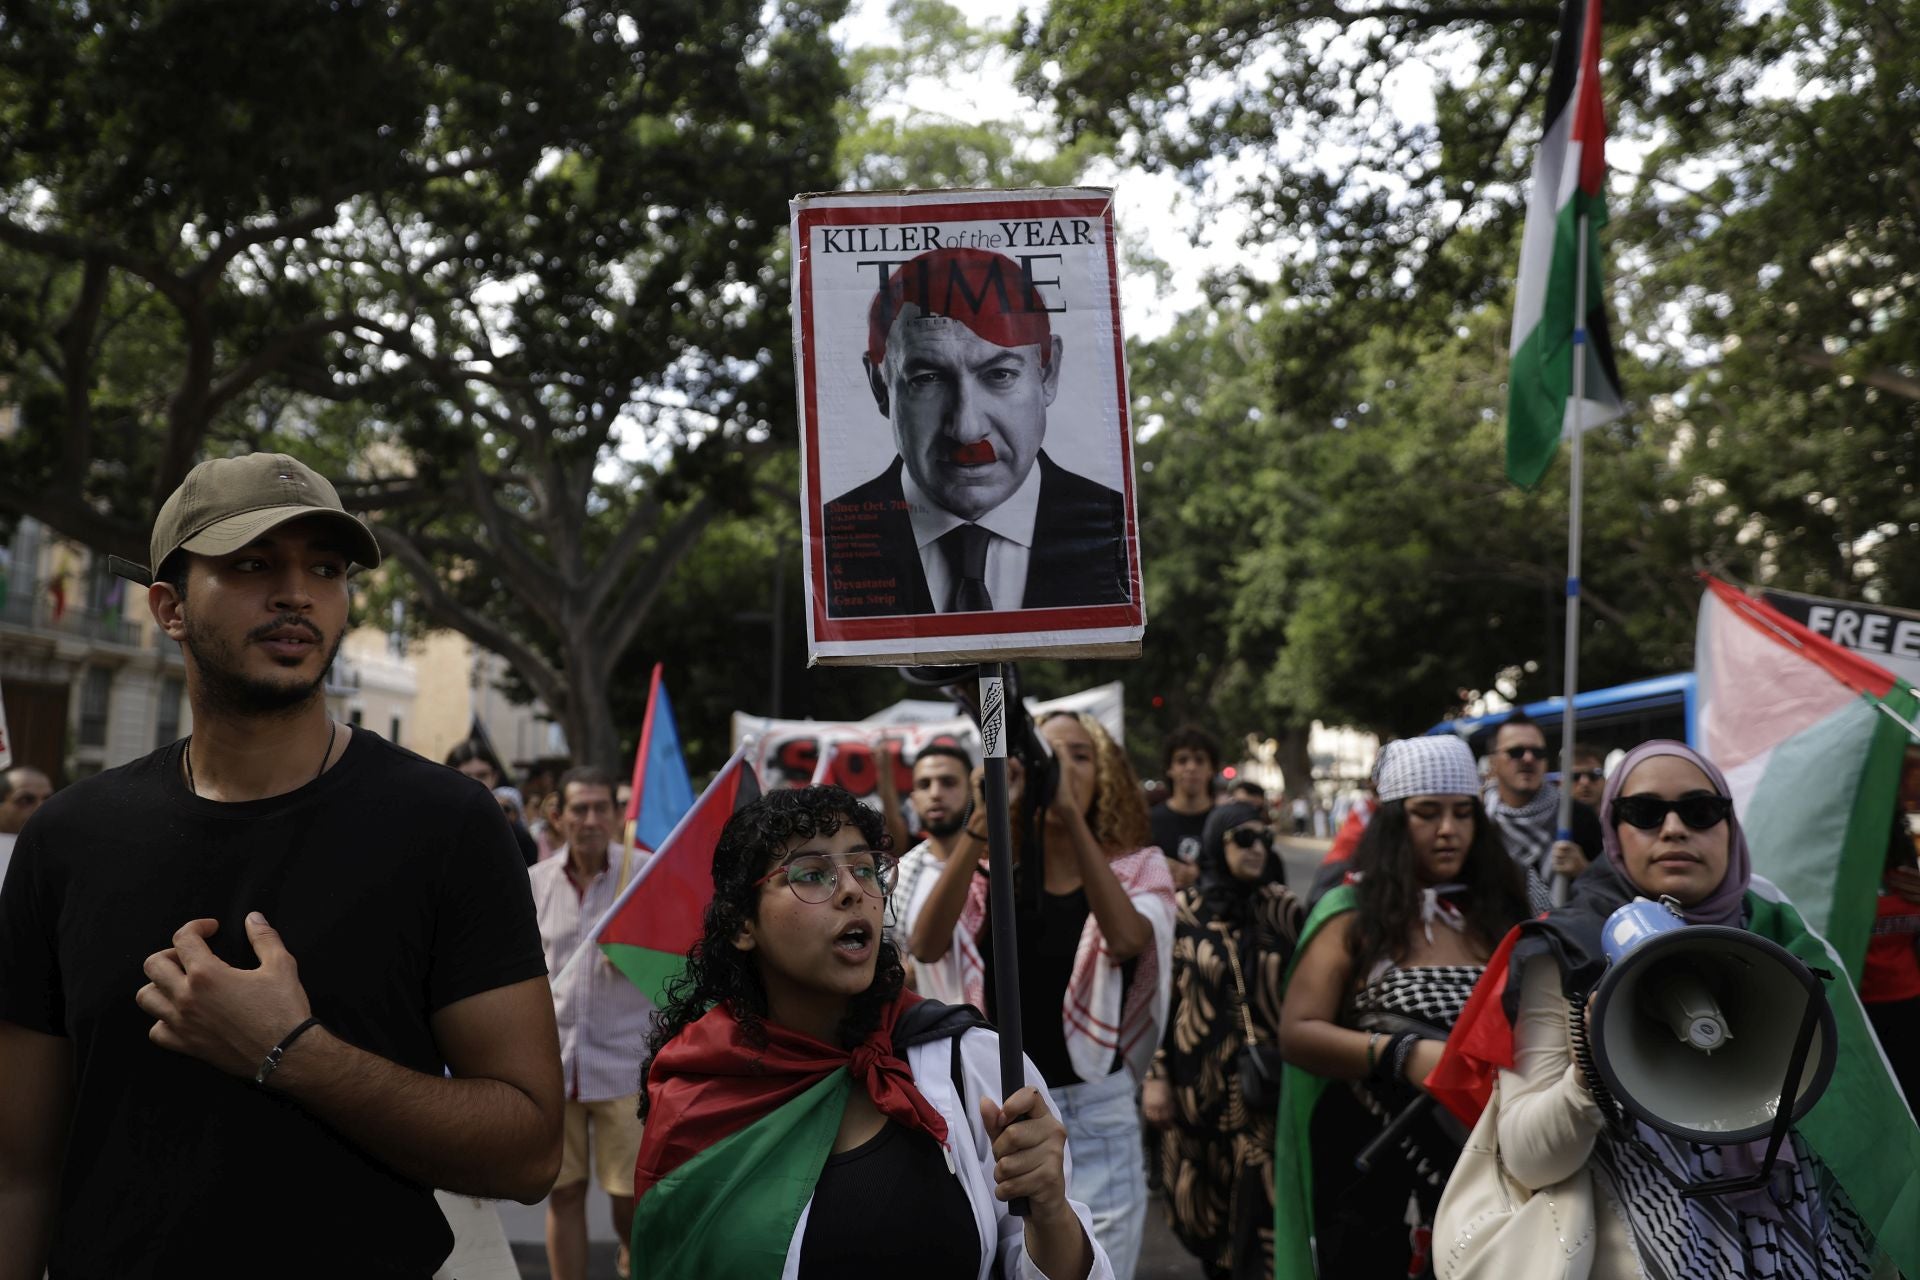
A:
(1670, 832)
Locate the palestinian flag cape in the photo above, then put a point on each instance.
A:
(1811, 737)
(1569, 183)
(737, 1135)
(1292, 1150)
(655, 921)
(1860, 1128)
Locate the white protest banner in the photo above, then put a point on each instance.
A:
(794, 753)
(967, 467)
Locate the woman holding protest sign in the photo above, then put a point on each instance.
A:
(808, 1117)
(1095, 961)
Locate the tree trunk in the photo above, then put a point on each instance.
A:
(1296, 765)
(592, 736)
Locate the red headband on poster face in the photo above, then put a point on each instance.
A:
(985, 291)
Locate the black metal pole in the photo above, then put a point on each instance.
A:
(1006, 948)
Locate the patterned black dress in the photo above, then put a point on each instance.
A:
(1217, 1161)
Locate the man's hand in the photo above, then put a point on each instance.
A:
(1016, 781)
(1568, 858)
(207, 1009)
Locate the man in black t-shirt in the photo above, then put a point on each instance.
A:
(263, 990)
(1190, 758)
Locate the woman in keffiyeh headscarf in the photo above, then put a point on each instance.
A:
(1846, 1187)
(1385, 964)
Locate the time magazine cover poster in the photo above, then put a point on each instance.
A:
(967, 468)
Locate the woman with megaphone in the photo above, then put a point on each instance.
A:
(1621, 1067)
(1385, 963)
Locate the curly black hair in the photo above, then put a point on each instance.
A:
(753, 842)
(1387, 893)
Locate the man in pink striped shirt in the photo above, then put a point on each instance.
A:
(603, 1019)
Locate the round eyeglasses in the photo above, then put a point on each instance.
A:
(815, 877)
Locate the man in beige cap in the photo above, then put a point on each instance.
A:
(263, 990)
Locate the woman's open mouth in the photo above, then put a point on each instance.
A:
(855, 942)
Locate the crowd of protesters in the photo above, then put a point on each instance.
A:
(212, 1039)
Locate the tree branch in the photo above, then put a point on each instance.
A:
(625, 621)
(76, 335)
(532, 580)
(63, 508)
(1884, 377)
(548, 683)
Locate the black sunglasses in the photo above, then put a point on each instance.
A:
(1701, 811)
(1246, 837)
(1588, 775)
(1521, 753)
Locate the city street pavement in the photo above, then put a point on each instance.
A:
(1162, 1258)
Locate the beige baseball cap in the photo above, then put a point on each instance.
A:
(225, 503)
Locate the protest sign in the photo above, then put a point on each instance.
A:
(794, 753)
(967, 470)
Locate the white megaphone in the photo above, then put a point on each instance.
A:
(1701, 1030)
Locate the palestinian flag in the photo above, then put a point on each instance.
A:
(655, 921)
(1569, 183)
(738, 1133)
(1811, 737)
(1860, 1128)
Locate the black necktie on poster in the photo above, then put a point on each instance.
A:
(965, 548)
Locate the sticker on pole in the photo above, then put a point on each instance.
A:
(966, 458)
(993, 717)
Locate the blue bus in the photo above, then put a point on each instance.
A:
(1621, 717)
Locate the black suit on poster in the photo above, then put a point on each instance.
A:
(1078, 557)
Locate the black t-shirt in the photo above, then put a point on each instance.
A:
(1047, 944)
(397, 888)
(1178, 834)
(890, 1200)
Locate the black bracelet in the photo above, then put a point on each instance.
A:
(1386, 1067)
(1402, 1050)
(279, 1051)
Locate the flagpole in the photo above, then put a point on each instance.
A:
(1000, 906)
(1576, 497)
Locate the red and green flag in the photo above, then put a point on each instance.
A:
(1568, 196)
(1811, 737)
(655, 921)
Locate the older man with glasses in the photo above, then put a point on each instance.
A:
(1526, 807)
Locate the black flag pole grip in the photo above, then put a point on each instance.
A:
(1006, 957)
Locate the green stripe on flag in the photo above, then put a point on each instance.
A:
(646, 968)
(1540, 382)
(731, 1210)
(1860, 1128)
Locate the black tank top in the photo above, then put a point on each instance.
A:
(891, 1201)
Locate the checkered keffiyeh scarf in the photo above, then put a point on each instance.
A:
(1528, 831)
(1437, 765)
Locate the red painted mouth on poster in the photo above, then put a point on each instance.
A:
(979, 453)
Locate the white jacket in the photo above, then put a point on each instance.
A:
(1002, 1236)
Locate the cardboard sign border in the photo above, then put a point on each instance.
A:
(1095, 631)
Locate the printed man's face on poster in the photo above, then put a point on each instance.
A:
(969, 416)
